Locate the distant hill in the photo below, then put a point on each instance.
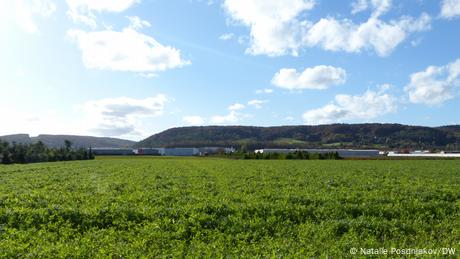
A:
(77, 141)
(18, 138)
(382, 136)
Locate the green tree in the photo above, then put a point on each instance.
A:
(67, 144)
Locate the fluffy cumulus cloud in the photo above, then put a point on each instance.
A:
(227, 36)
(450, 8)
(235, 115)
(25, 13)
(359, 6)
(378, 6)
(275, 27)
(264, 91)
(122, 116)
(231, 118)
(435, 85)
(83, 11)
(353, 107)
(374, 34)
(257, 103)
(125, 50)
(319, 77)
(137, 23)
(35, 122)
(236, 106)
(194, 120)
(279, 27)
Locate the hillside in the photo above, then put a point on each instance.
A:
(78, 141)
(334, 136)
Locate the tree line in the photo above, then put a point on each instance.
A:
(296, 155)
(38, 152)
(366, 136)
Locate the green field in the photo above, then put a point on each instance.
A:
(192, 207)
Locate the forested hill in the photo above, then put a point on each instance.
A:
(56, 141)
(328, 136)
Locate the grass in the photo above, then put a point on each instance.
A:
(289, 141)
(193, 207)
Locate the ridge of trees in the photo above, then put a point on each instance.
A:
(371, 135)
(295, 155)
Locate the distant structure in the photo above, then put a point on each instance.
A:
(204, 151)
(180, 151)
(342, 152)
(112, 151)
(424, 153)
(149, 151)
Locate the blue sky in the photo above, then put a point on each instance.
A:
(132, 68)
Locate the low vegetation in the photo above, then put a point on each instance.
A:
(204, 207)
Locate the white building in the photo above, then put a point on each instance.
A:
(427, 155)
(215, 150)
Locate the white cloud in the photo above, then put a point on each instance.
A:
(257, 103)
(435, 85)
(236, 106)
(227, 36)
(242, 39)
(416, 42)
(125, 107)
(208, 2)
(379, 6)
(194, 120)
(383, 88)
(20, 73)
(128, 118)
(450, 8)
(278, 27)
(319, 77)
(122, 116)
(37, 122)
(24, 13)
(126, 50)
(382, 37)
(84, 10)
(274, 25)
(359, 6)
(137, 23)
(148, 75)
(348, 107)
(264, 91)
(230, 118)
